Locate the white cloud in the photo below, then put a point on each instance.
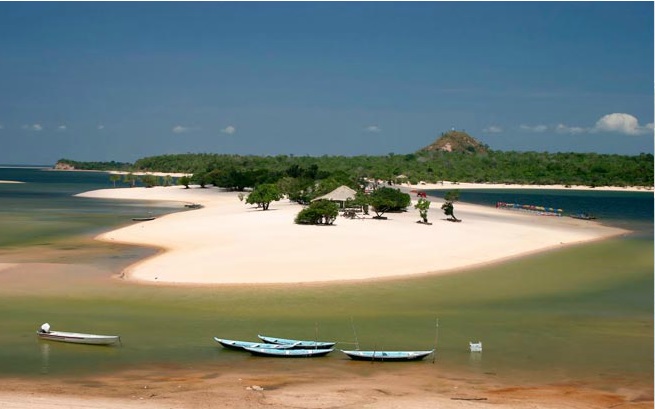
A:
(621, 123)
(561, 128)
(373, 128)
(534, 128)
(62, 127)
(493, 129)
(180, 129)
(101, 127)
(229, 130)
(33, 127)
(2, 126)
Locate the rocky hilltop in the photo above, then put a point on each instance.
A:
(456, 141)
(64, 166)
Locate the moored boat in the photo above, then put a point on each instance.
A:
(297, 343)
(387, 355)
(76, 337)
(290, 352)
(234, 344)
(143, 219)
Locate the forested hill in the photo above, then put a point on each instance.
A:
(430, 166)
(454, 156)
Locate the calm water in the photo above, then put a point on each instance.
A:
(583, 313)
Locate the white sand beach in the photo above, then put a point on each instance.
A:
(229, 242)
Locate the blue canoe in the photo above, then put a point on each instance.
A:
(297, 344)
(233, 344)
(387, 355)
(289, 353)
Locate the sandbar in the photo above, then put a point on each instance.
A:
(229, 242)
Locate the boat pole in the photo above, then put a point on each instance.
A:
(352, 324)
(436, 337)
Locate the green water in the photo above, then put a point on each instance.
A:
(582, 313)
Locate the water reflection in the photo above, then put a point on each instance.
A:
(45, 357)
(475, 358)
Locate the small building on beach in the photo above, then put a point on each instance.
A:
(340, 195)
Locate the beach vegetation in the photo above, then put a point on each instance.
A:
(114, 177)
(149, 180)
(130, 179)
(318, 212)
(184, 181)
(297, 189)
(263, 195)
(448, 207)
(201, 179)
(361, 201)
(423, 205)
(387, 199)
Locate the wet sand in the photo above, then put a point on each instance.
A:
(418, 386)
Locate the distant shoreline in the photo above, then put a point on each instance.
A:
(446, 185)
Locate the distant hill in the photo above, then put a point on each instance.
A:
(456, 141)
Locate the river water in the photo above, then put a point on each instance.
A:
(580, 314)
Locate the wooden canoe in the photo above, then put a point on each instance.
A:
(289, 353)
(234, 344)
(387, 355)
(79, 338)
(297, 343)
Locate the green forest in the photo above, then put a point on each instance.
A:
(491, 167)
(455, 157)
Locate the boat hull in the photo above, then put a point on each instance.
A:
(240, 345)
(388, 356)
(289, 353)
(297, 344)
(78, 338)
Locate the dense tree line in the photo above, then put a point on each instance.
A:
(123, 166)
(240, 171)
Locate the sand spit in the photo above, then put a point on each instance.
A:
(229, 242)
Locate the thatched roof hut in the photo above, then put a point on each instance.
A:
(340, 194)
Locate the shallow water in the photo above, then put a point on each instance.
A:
(583, 313)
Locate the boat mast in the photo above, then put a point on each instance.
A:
(436, 336)
(352, 324)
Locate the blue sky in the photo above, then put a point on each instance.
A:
(123, 80)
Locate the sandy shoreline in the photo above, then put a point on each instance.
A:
(229, 242)
(420, 386)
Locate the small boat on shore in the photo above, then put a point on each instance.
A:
(75, 337)
(241, 345)
(289, 353)
(298, 344)
(143, 219)
(399, 356)
(475, 346)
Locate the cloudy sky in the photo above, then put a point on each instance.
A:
(120, 81)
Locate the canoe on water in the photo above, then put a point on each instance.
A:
(297, 343)
(388, 355)
(76, 337)
(289, 353)
(234, 344)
